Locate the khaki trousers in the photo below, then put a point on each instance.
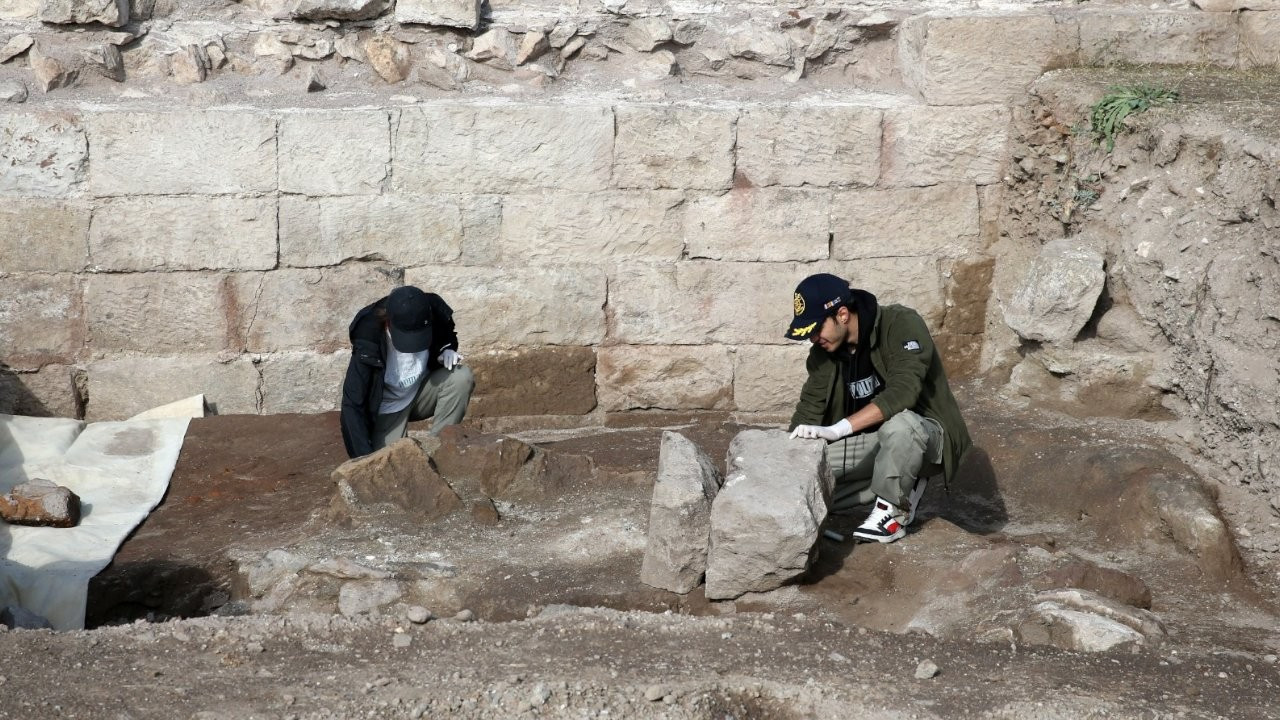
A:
(885, 463)
(443, 395)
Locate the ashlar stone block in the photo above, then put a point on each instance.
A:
(760, 225)
(160, 313)
(39, 235)
(768, 378)
(401, 229)
(674, 147)
(1151, 37)
(452, 13)
(1258, 33)
(547, 380)
(334, 153)
(803, 145)
(83, 12)
(42, 155)
(972, 60)
(41, 320)
(936, 221)
(268, 305)
(209, 152)
(123, 387)
(499, 308)
(465, 148)
(303, 382)
(184, 233)
(928, 145)
(702, 302)
(619, 224)
(50, 392)
(678, 377)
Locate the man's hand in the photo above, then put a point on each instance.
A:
(450, 359)
(830, 433)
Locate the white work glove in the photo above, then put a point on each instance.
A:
(449, 359)
(830, 433)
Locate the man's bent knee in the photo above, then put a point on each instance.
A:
(903, 428)
(461, 378)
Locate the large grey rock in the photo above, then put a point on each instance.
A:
(81, 12)
(765, 520)
(675, 557)
(452, 13)
(1058, 294)
(399, 474)
(339, 9)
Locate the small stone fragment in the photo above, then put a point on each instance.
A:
(563, 32)
(417, 614)
(496, 46)
(532, 46)
(13, 91)
(313, 81)
(654, 693)
(17, 45)
(106, 61)
(388, 56)
(926, 669)
(53, 70)
(400, 640)
(572, 47)
(647, 33)
(42, 503)
(190, 65)
(464, 616)
(350, 47)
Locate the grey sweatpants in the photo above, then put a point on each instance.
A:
(885, 463)
(444, 396)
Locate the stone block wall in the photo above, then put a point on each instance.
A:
(618, 251)
(224, 251)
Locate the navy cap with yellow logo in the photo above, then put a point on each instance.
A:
(816, 297)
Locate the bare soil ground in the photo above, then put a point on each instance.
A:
(564, 628)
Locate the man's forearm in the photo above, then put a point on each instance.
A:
(868, 416)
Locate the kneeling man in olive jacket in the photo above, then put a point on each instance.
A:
(877, 393)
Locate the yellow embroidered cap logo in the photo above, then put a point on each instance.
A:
(798, 302)
(802, 331)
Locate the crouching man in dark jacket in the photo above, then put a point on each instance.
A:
(877, 393)
(404, 366)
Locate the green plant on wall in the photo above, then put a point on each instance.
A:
(1107, 116)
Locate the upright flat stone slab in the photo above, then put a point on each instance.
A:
(42, 155)
(452, 13)
(765, 520)
(675, 557)
(1059, 293)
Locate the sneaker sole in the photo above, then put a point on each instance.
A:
(868, 537)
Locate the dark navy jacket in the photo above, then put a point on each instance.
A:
(362, 388)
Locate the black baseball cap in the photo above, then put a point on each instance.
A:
(816, 297)
(409, 318)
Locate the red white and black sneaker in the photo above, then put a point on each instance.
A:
(885, 524)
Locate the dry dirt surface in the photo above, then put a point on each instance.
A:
(540, 613)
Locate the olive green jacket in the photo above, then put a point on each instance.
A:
(902, 351)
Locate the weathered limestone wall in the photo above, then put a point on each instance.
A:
(156, 254)
(609, 249)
